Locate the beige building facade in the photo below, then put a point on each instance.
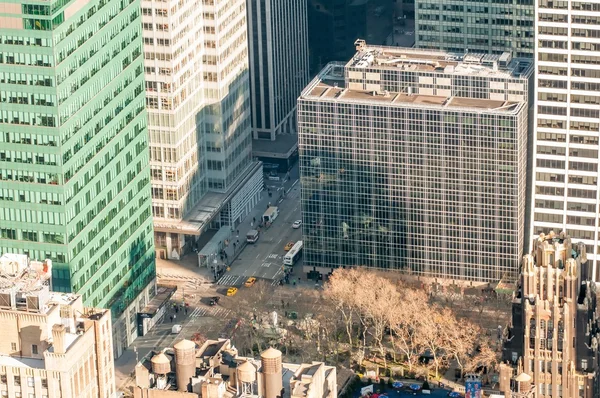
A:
(51, 346)
(554, 333)
(315, 380)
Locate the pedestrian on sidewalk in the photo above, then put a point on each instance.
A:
(171, 316)
(174, 317)
(185, 310)
(253, 220)
(252, 224)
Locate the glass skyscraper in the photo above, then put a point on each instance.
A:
(416, 160)
(74, 174)
(488, 26)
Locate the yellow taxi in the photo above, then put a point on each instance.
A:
(250, 282)
(288, 246)
(232, 291)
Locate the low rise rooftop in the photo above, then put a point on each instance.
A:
(335, 90)
(474, 64)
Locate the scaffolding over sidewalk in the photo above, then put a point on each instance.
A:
(209, 254)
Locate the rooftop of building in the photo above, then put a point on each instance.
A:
(302, 379)
(330, 86)
(71, 336)
(214, 371)
(73, 332)
(212, 347)
(25, 287)
(468, 64)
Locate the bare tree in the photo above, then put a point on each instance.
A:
(405, 326)
(340, 290)
(432, 322)
(383, 297)
(416, 326)
(461, 337)
(484, 357)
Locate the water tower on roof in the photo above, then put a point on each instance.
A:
(272, 373)
(185, 364)
(246, 375)
(161, 366)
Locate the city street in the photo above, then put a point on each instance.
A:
(263, 260)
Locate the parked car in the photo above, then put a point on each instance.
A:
(297, 224)
(250, 282)
(214, 300)
(288, 246)
(232, 291)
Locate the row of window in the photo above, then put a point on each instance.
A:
(561, 151)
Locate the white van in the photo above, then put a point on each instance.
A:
(252, 236)
(271, 214)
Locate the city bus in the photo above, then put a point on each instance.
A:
(294, 254)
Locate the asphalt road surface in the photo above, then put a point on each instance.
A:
(264, 259)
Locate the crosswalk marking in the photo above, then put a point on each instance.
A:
(189, 279)
(231, 280)
(217, 312)
(277, 277)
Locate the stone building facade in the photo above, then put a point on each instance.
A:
(553, 337)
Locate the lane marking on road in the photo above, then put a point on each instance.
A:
(258, 255)
(295, 182)
(280, 240)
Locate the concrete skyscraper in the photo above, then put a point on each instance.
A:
(567, 122)
(74, 168)
(476, 26)
(416, 159)
(173, 52)
(198, 97)
(278, 44)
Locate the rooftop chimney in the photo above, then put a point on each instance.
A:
(58, 339)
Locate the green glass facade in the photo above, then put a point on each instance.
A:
(74, 173)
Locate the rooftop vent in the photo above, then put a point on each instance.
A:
(504, 59)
